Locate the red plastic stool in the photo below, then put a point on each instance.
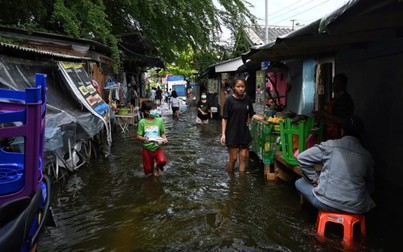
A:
(347, 220)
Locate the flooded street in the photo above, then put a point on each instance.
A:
(194, 206)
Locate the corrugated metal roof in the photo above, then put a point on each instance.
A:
(273, 32)
(46, 37)
(258, 36)
(40, 51)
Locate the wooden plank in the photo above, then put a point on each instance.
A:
(278, 156)
(283, 169)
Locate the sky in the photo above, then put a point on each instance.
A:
(304, 12)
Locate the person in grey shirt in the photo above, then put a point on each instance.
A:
(346, 180)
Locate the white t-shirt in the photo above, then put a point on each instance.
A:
(175, 102)
(152, 94)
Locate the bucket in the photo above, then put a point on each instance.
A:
(123, 111)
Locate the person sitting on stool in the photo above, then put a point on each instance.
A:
(346, 180)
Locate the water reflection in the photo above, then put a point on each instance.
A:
(195, 205)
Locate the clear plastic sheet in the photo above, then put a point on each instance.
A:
(63, 108)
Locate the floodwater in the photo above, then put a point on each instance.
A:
(194, 206)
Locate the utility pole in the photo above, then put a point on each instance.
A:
(293, 20)
(266, 14)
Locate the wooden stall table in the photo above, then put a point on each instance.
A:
(125, 120)
(264, 139)
(265, 136)
(285, 171)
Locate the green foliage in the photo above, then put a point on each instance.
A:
(8, 40)
(86, 19)
(82, 18)
(185, 33)
(66, 18)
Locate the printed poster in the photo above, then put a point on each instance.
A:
(83, 83)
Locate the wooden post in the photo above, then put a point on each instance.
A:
(269, 173)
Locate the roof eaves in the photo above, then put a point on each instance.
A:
(41, 52)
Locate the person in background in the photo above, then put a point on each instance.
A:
(167, 95)
(237, 114)
(133, 98)
(189, 92)
(158, 95)
(227, 88)
(153, 93)
(174, 104)
(152, 127)
(337, 109)
(346, 181)
(203, 109)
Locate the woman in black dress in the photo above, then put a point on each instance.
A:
(237, 114)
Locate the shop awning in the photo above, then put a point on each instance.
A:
(229, 65)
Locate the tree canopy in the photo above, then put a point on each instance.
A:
(167, 27)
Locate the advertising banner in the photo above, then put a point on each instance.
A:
(80, 79)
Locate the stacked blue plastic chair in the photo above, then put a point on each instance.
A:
(21, 173)
(24, 193)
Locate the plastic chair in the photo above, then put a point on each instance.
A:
(287, 133)
(301, 131)
(345, 219)
(23, 174)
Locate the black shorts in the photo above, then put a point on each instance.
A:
(239, 146)
(204, 117)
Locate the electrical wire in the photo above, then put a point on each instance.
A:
(293, 15)
(278, 13)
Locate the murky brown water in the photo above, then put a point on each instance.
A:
(194, 206)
